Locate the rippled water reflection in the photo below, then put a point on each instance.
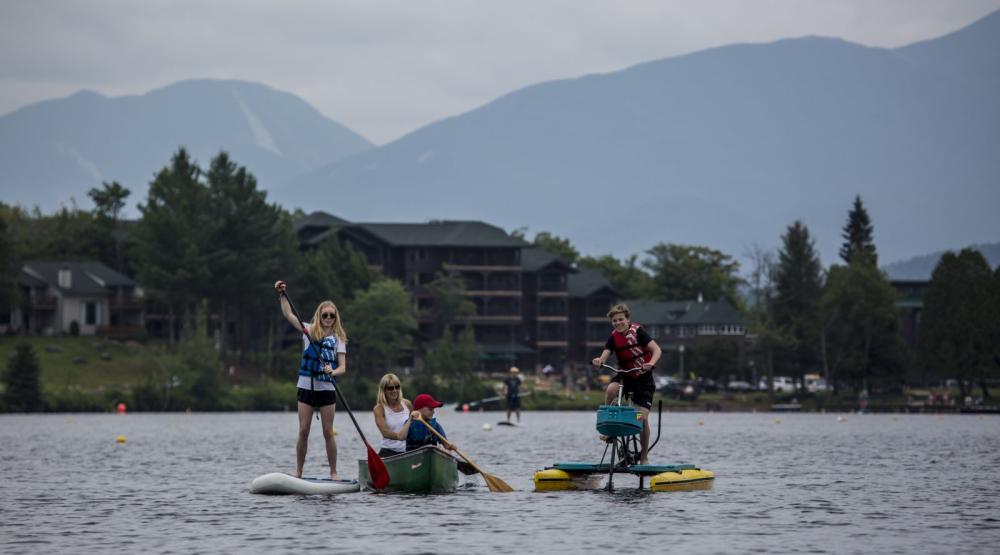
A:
(784, 483)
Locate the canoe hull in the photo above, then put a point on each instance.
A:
(428, 469)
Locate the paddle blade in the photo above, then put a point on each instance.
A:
(496, 484)
(377, 469)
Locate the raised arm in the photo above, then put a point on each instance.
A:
(286, 308)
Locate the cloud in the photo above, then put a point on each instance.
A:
(385, 68)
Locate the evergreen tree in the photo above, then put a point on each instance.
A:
(858, 235)
(861, 331)
(172, 250)
(10, 265)
(798, 288)
(682, 272)
(625, 276)
(958, 321)
(247, 244)
(23, 392)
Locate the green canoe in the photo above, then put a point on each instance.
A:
(428, 469)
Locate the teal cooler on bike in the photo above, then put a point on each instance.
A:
(616, 421)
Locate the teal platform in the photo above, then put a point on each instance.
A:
(637, 469)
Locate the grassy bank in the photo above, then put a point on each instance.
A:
(92, 374)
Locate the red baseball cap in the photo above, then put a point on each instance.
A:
(425, 400)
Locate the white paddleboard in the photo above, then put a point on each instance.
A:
(278, 483)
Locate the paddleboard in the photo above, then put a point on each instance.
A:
(278, 483)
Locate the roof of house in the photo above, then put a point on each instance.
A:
(441, 233)
(534, 259)
(88, 278)
(684, 312)
(587, 281)
(319, 219)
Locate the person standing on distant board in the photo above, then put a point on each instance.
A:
(324, 352)
(511, 391)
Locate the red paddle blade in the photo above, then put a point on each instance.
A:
(377, 469)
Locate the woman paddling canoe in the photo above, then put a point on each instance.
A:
(324, 353)
(392, 416)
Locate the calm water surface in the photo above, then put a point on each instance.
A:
(784, 483)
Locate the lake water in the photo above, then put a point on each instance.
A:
(784, 483)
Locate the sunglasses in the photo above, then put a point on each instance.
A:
(392, 387)
(329, 316)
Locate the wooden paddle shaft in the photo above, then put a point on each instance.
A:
(442, 438)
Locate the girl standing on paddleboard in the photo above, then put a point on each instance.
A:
(324, 352)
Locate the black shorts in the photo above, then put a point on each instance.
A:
(317, 398)
(514, 403)
(642, 388)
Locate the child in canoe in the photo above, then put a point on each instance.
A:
(419, 435)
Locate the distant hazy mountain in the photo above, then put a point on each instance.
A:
(921, 267)
(724, 147)
(56, 149)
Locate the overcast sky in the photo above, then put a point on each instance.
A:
(385, 68)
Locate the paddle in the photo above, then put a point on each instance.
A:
(492, 482)
(377, 469)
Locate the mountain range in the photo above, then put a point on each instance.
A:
(920, 268)
(56, 150)
(724, 147)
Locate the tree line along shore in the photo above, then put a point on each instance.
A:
(207, 247)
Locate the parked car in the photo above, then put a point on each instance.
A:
(739, 385)
(668, 385)
(782, 384)
(814, 383)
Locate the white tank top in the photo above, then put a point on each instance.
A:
(395, 420)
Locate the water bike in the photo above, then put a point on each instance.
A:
(620, 423)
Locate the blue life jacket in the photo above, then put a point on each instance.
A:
(312, 362)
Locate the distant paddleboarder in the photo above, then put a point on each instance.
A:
(511, 390)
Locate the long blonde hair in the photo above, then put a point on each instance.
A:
(316, 327)
(388, 379)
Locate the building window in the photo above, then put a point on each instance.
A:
(90, 314)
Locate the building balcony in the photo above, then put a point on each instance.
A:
(491, 318)
(493, 293)
(561, 344)
(43, 302)
(556, 294)
(478, 268)
(129, 301)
